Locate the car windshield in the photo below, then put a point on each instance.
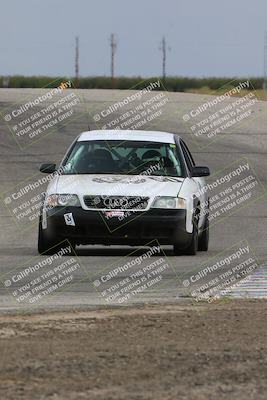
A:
(128, 157)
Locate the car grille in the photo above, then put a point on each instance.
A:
(116, 202)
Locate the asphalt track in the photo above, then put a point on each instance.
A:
(17, 245)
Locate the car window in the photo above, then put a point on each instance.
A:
(188, 157)
(189, 154)
(74, 157)
(128, 157)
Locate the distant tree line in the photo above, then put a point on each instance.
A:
(173, 84)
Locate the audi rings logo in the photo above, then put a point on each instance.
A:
(116, 202)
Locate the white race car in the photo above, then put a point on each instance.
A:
(126, 188)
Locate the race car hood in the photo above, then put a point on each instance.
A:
(116, 185)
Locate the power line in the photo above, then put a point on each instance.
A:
(265, 62)
(113, 47)
(163, 48)
(77, 61)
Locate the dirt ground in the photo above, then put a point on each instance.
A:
(182, 351)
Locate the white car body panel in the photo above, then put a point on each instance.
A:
(115, 185)
(130, 185)
(160, 137)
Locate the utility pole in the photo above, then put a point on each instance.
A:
(163, 48)
(265, 63)
(77, 61)
(113, 47)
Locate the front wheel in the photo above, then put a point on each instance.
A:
(203, 242)
(45, 244)
(191, 250)
(49, 245)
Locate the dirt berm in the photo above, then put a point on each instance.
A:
(183, 351)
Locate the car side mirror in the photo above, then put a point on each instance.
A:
(200, 171)
(48, 168)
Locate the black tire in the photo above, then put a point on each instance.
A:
(191, 250)
(203, 241)
(49, 245)
(177, 251)
(45, 245)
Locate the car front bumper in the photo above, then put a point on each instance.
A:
(138, 228)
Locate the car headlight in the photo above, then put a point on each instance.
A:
(169, 202)
(62, 200)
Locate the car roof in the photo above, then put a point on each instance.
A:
(146, 136)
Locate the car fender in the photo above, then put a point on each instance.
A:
(188, 192)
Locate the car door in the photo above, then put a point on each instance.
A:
(199, 181)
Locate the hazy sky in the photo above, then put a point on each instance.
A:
(207, 37)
